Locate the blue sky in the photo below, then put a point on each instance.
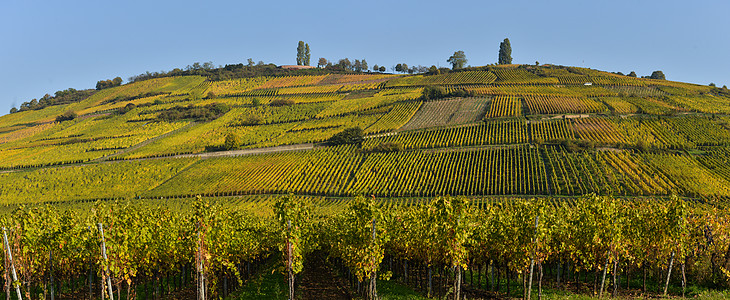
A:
(53, 45)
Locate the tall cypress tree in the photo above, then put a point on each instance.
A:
(505, 52)
(300, 53)
(307, 56)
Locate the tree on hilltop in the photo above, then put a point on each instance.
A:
(505, 52)
(307, 55)
(364, 64)
(381, 69)
(658, 75)
(632, 74)
(300, 53)
(322, 62)
(458, 60)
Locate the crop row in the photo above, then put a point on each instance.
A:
(510, 131)
(554, 105)
(398, 116)
(504, 106)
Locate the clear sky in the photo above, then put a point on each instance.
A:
(53, 45)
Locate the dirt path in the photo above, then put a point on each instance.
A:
(253, 151)
(319, 281)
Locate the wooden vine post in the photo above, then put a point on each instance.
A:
(373, 291)
(289, 260)
(107, 273)
(50, 266)
(532, 259)
(201, 270)
(12, 266)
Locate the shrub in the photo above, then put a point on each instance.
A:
(353, 135)
(281, 102)
(232, 141)
(198, 113)
(252, 120)
(69, 115)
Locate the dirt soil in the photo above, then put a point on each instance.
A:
(319, 281)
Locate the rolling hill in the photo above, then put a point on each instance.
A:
(500, 130)
(213, 185)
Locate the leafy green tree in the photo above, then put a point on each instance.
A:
(345, 64)
(458, 60)
(322, 62)
(382, 69)
(69, 115)
(301, 53)
(232, 141)
(399, 68)
(364, 64)
(376, 68)
(433, 92)
(13, 110)
(658, 75)
(352, 135)
(505, 52)
(307, 55)
(433, 70)
(632, 74)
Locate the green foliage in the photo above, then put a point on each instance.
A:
(433, 92)
(199, 113)
(67, 116)
(301, 53)
(505, 52)
(105, 84)
(657, 75)
(296, 234)
(353, 135)
(232, 141)
(281, 102)
(307, 55)
(438, 92)
(458, 60)
(358, 237)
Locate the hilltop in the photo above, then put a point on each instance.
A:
(504, 130)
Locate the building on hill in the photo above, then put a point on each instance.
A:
(295, 67)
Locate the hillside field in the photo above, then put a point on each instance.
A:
(509, 166)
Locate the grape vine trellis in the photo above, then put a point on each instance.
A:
(447, 239)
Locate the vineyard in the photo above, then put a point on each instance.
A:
(504, 106)
(554, 105)
(262, 152)
(453, 244)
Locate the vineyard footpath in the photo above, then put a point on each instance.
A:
(448, 248)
